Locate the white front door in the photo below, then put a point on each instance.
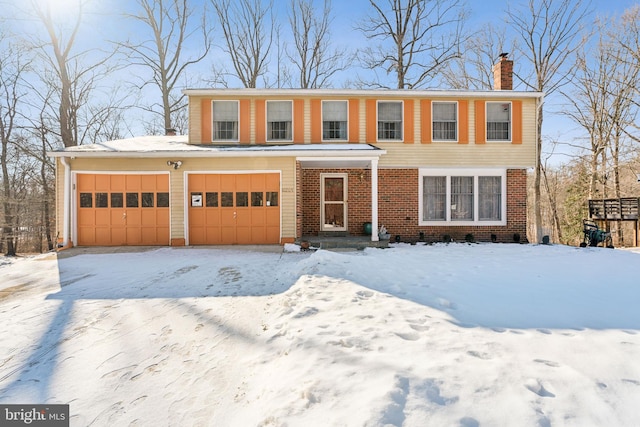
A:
(333, 209)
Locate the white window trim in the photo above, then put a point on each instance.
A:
(401, 102)
(506, 141)
(213, 130)
(433, 139)
(322, 121)
(266, 121)
(463, 172)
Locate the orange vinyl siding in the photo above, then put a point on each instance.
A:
(261, 122)
(372, 121)
(408, 121)
(298, 121)
(245, 121)
(463, 122)
(316, 120)
(205, 121)
(425, 116)
(354, 120)
(481, 124)
(516, 138)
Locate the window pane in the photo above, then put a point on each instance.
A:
(242, 199)
(389, 130)
(490, 198)
(279, 111)
(162, 200)
(256, 198)
(102, 200)
(225, 111)
(390, 111)
(434, 198)
(334, 130)
(334, 215)
(225, 131)
(334, 111)
(212, 200)
(132, 200)
(444, 121)
(498, 121)
(461, 198)
(116, 200)
(279, 131)
(333, 189)
(86, 200)
(227, 199)
(147, 200)
(272, 198)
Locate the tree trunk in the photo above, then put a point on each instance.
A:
(537, 199)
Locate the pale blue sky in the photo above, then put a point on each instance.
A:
(106, 22)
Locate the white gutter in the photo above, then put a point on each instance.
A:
(372, 93)
(67, 201)
(364, 154)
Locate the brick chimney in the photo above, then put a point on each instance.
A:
(503, 73)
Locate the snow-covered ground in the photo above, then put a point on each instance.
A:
(443, 335)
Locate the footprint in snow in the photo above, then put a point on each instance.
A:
(547, 362)
(409, 336)
(479, 355)
(536, 387)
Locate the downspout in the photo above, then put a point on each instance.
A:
(67, 202)
(374, 200)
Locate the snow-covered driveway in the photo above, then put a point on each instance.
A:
(462, 335)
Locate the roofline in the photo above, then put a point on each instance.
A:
(375, 93)
(207, 154)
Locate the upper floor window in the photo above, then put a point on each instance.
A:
(279, 120)
(334, 120)
(445, 121)
(498, 121)
(390, 120)
(225, 120)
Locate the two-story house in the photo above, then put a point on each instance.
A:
(265, 166)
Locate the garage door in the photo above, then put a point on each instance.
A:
(228, 209)
(118, 210)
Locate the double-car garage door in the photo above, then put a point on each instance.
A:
(226, 209)
(133, 209)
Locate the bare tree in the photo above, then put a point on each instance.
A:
(163, 53)
(12, 69)
(248, 29)
(313, 55)
(417, 38)
(473, 70)
(551, 32)
(72, 74)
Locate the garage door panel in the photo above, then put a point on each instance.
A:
(148, 183)
(102, 217)
(133, 235)
(132, 183)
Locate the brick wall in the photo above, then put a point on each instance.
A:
(398, 206)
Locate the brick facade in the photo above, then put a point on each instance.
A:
(398, 208)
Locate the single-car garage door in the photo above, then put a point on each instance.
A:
(228, 209)
(119, 210)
